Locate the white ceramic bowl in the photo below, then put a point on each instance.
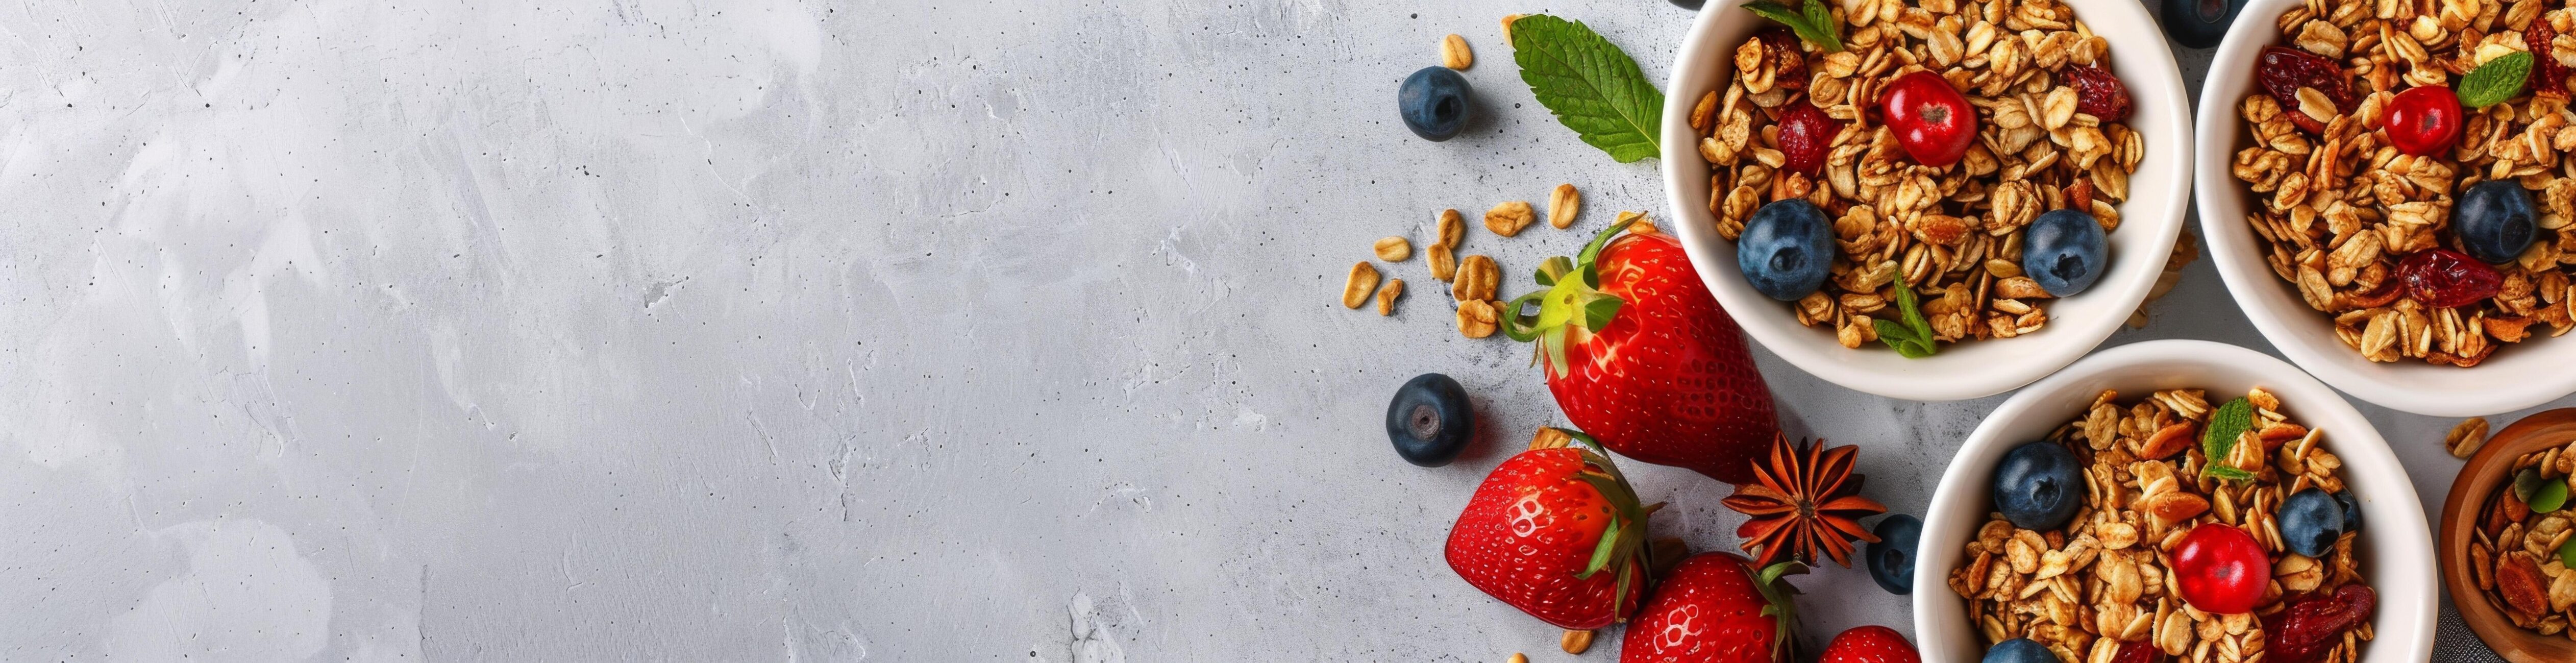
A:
(2395, 545)
(2517, 376)
(2149, 221)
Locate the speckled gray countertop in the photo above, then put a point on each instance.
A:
(773, 330)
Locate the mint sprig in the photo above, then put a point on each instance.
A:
(1913, 338)
(1813, 22)
(2226, 424)
(1591, 86)
(2496, 81)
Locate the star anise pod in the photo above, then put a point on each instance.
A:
(1806, 500)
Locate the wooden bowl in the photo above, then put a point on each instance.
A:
(2478, 482)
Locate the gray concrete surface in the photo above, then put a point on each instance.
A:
(769, 330)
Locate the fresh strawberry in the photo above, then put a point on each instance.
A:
(1640, 356)
(1870, 644)
(1712, 609)
(1557, 533)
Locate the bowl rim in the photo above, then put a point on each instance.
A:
(2516, 378)
(2151, 219)
(2480, 478)
(2405, 630)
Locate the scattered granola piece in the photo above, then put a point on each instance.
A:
(1363, 281)
(1508, 219)
(1454, 53)
(1394, 248)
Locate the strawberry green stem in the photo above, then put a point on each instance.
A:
(1572, 298)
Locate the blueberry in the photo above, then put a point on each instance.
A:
(2020, 650)
(2063, 250)
(2198, 23)
(1891, 560)
(2494, 221)
(1787, 249)
(2351, 511)
(1429, 420)
(1692, 5)
(2038, 485)
(2310, 521)
(1434, 103)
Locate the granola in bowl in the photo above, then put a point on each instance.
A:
(2159, 549)
(2522, 546)
(1811, 121)
(2371, 129)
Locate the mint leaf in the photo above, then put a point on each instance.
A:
(1913, 338)
(2496, 81)
(1813, 22)
(2228, 422)
(1591, 86)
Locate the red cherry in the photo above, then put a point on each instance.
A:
(2221, 569)
(2424, 120)
(2443, 278)
(1933, 122)
(1806, 136)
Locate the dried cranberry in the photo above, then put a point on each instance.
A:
(1806, 135)
(1782, 46)
(2547, 76)
(2314, 623)
(2097, 92)
(2284, 70)
(2443, 278)
(2136, 651)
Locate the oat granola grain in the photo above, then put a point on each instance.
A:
(1394, 249)
(2466, 438)
(1476, 318)
(1454, 53)
(1386, 296)
(1509, 218)
(1562, 204)
(1363, 280)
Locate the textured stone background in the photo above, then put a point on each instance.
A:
(762, 330)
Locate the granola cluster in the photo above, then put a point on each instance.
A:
(2519, 551)
(2340, 206)
(1952, 233)
(2105, 579)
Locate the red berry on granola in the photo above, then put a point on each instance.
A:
(2423, 120)
(2097, 92)
(2443, 278)
(2548, 77)
(1933, 122)
(2221, 569)
(1806, 136)
(2282, 71)
(2315, 623)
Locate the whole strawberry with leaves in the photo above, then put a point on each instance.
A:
(1714, 609)
(1558, 533)
(1640, 355)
